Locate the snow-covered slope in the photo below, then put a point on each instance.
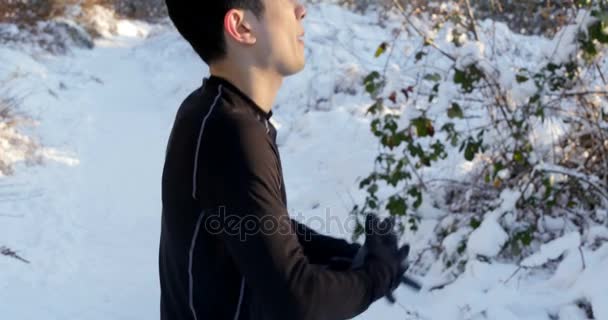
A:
(88, 219)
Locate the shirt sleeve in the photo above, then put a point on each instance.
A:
(321, 249)
(260, 236)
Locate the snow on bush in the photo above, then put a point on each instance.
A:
(506, 134)
(14, 146)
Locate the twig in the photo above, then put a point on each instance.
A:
(407, 18)
(512, 275)
(582, 256)
(601, 191)
(472, 18)
(392, 50)
(578, 94)
(601, 74)
(9, 253)
(443, 285)
(12, 215)
(412, 313)
(415, 171)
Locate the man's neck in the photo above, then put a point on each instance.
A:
(262, 87)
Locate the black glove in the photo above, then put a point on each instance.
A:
(381, 246)
(344, 262)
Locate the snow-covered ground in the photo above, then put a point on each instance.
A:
(88, 219)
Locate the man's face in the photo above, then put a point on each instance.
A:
(279, 36)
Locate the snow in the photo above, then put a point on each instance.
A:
(553, 249)
(88, 218)
(487, 240)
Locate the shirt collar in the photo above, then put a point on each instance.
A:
(215, 80)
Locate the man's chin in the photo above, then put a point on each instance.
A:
(295, 68)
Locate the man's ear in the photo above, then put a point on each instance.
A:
(238, 28)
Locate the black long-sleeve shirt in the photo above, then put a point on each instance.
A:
(228, 249)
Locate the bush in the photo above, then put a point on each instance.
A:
(55, 36)
(522, 16)
(25, 11)
(57, 25)
(30, 12)
(148, 10)
(518, 185)
(14, 146)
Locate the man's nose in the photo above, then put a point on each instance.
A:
(300, 12)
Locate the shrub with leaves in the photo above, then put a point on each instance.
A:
(532, 135)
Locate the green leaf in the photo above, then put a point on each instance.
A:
(548, 188)
(459, 76)
(381, 49)
(596, 31)
(390, 124)
(498, 166)
(449, 128)
(534, 99)
(518, 157)
(521, 78)
(438, 151)
(372, 82)
(471, 149)
(462, 247)
(372, 76)
(365, 182)
(434, 92)
(540, 112)
(372, 204)
(552, 67)
(469, 152)
(602, 16)
(414, 192)
(455, 111)
(359, 230)
(373, 188)
(526, 239)
(424, 127)
(375, 108)
(419, 55)
(396, 206)
(375, 127)
(415, 150)
(467, 78)
(435, 77)
(474, 223)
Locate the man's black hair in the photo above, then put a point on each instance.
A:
(201, 22)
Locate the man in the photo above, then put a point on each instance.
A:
(228, 248)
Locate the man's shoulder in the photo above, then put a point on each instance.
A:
(222, 114)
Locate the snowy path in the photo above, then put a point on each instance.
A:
(111, 199)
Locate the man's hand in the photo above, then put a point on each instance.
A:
(381, 243)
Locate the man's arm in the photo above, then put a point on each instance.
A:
(322, 249)
(260, 237)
